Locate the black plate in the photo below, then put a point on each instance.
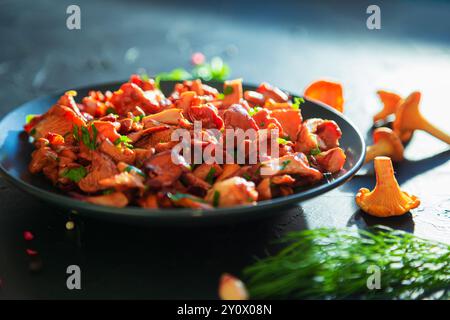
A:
(15, 153)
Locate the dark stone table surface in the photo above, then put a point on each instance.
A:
(287, 44)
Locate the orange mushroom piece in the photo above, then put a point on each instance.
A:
(386, 199)
(391, 102)
(231, 288)
(385, 143)
(408, 119)
(327, 92)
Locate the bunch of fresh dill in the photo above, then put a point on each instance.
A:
(337, 263)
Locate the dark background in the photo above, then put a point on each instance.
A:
(286, 43)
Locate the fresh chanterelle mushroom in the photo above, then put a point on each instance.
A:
(386, 199)
(327, 92)
(408, 118)
(386, 143)
(390, 101)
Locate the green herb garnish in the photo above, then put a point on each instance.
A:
(227, 90)
(246, 176)
(125, 140)
(30, 117)
(108, 191)
(89, 142)
(254, 110)
(210, 176)
(282, 141)
(138, 118)
(315, 151)
(178, 196)
(284, 164)
(216, 198)
(131, 168)
(145, 77)
(75, 174)
(297, 103)
(335, 264)
(33, 132)
(76, 132)
(111, 110)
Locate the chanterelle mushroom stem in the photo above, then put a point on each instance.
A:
(408, 118)
(386, 199)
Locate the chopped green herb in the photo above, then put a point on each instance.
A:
(254, 110)
(284, 164)
(75, 174)
(178, 196)
(125, 140)
(297, 103)
(210, 176)
(86, 137)
(33, 132)
(216, 198)
(220, 96)
(282, 141)
(145, 77)
(246, 176)
(30, 117)
(227, 90)
(262, 124)
(315, 151)
(76, 132)
(108, 191)
(131, 168)
(138, 118)
(111, 110)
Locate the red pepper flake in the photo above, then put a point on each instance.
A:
(197, 58)
(31, 252)
(27, 235)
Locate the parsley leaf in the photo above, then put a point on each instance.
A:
(228, 90)
(284, 164)
(125, 140)
(29, 117)
(216, 198)
(179, 196)
(297, 103)
(315, 151)
(254, 110)
(131, 168)
(75, 174)
(210, 176)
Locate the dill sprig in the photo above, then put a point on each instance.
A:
(333, 264)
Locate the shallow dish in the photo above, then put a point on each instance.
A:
(15, 153)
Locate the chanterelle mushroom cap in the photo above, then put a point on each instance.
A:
(386, 199)
(390, 101)
(386, 143)
(408, 118)
(328, 92)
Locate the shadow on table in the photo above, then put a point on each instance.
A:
(362, 220)
(404, 171)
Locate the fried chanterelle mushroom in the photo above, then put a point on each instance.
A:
(386, 199)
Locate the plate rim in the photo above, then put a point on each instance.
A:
(78, 206)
